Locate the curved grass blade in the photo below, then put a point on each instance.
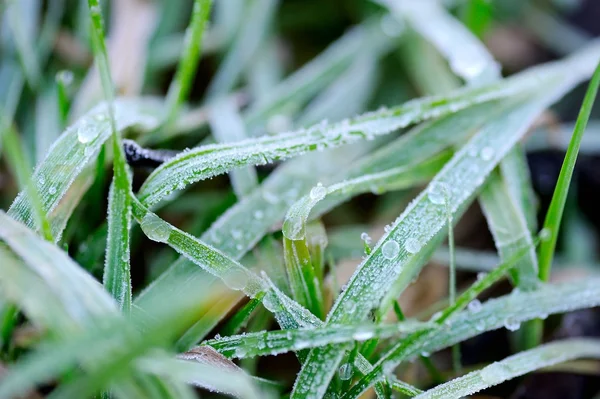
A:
(276, 342)
(73, 150)
(509, 310)
(190, 55)
(559, 198)
(211, 160)
(75, 296)
(515, 366)
(386, 273)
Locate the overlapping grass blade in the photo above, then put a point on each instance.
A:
(211, 160)
(555, 210)
(75, 149)
(515, 366)
(275, 342)
(385, 273)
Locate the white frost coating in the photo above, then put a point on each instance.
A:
(437, 193)
(512, 324)
(487, 153)
(318, 192)
(474, 306)
(155, 228)
(345, 371)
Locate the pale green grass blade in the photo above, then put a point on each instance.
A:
(466, 55)
(292, 92)
(276, 342)
(515, 366)
(188, 62)
(404, 388)
(255, 25)
(508, 311)
(78, 297)
(386, 272)
(221, 380)
(509, 227)
(208, 161)
(24, 43)
(559, 198)
(76, 148)
(227, 126)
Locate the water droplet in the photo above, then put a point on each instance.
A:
(474, 306)
(511, 324)
(495, 373)
(487, 153)
(240, 352)
(236, 279)
(258, 214)
(387, 228)
(52, 190)
(345, 371)
(271, 303)
(100, 117)
(437, 193)
(480, 325)
(41, 180)
(236, 234)
(65, 77)
(155, 228)
(481, 276)
(472, 152)
(365, 237)
(349, 307)
(318, 192)
(270, 197)
(87, 132)
(545, 234)
(412, 245)
(390, 249)
(217, 337)
(425, 354)
(391, 26)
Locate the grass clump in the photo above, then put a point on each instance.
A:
(202, 278)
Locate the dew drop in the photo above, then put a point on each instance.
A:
(365, 237)
(155, 228)
(545, 234)
(511, 324)
(271, 303)
(387, 228)
(362, 335)
(481, 276)
(236, 279)
(390, 249)
(41, 180)
(345, 371)
(474, 306)
(65, 77)
(318, 192)
(52, 190)
(437, 193)
(412, 245)
(495, 373)
(240, 352)
(425, 354)
(100, 117)
(87, 132)
(480, 325)
(258, 214)
(487, 153)
(236, 234)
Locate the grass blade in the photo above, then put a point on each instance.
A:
(555, 210)
(181, 84)
(515, 366)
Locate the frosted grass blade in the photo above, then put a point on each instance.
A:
(277, 342)
(515, 366)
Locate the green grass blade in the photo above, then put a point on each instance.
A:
(276, 342)
(75, 148)
(515, 366)
(237, 322)
(182, 83)
(117, 279)
(555, 210)
(387, 271)
(227, 126)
